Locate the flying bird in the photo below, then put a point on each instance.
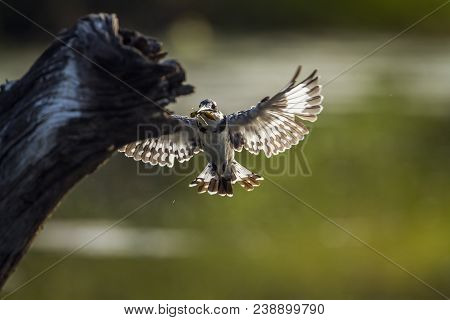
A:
(272, 126)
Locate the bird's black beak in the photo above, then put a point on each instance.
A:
(208, 112)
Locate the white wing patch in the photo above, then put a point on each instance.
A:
(180, 145)
(271, 126)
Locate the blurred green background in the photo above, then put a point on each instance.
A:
(378, 159)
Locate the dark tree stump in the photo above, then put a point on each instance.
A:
(69, 113)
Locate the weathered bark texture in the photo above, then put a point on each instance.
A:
(68, 114)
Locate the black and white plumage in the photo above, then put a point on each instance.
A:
(181, 144)
(271, 126)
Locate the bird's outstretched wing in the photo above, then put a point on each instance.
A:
(180, 143)
(271, 125)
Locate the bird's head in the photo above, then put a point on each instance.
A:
(208, 109)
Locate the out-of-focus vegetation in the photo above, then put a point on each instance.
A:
(379, 159)
(231, 16)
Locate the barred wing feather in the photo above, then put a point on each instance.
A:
(181, 143)
(271, 125)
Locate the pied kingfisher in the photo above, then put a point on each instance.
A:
(271, 126)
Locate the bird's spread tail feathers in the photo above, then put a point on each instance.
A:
(209, 181)
(247, 179)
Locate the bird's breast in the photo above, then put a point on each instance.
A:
(216, 145)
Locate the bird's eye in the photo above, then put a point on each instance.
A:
(214, 107)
